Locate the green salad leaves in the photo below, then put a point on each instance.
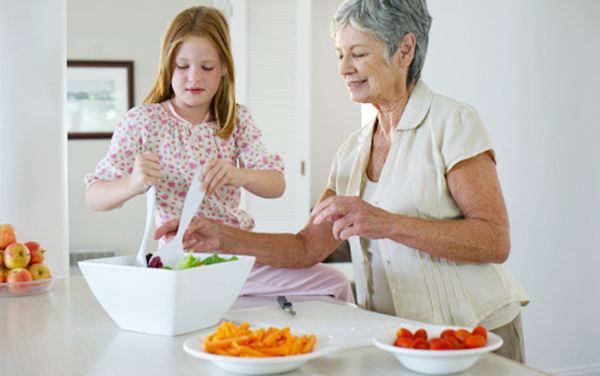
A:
(190, 261)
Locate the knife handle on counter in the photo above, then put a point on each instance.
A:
(286, 305)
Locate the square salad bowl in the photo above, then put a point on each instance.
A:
(162, 301)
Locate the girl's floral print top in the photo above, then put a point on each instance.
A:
(182, 148)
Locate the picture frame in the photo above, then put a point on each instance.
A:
(99, 93)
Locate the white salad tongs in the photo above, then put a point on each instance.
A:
(172, 252)
(140, 258)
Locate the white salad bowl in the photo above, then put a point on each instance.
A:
(161, 301)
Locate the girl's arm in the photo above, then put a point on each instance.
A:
(105, 195)
(260, 171)
(264, 183)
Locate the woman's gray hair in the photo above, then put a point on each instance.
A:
(390, 21)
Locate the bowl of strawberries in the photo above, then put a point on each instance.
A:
(438, 350)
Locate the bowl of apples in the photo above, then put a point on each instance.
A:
(193, 295)
(22, 268)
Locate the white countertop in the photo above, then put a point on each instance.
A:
(66, 332)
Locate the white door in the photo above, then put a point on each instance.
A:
(272, 54)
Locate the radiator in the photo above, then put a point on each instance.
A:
(81, 254)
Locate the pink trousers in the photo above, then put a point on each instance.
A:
(320, 279)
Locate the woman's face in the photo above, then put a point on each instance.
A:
(197, 73)
(369, 78)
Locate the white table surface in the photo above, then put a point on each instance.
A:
(66, 332)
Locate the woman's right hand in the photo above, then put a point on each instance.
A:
(201, 235)
(146, 172)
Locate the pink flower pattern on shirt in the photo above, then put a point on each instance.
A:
(182, 148)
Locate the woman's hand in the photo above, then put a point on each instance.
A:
(202, 235)
(219, 173)
(351, 216)
(146, 172)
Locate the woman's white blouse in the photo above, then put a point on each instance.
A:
(380, 298)
(434, 134)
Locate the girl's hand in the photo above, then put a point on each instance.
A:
(219, 173)
(146, 172)
(351, 216)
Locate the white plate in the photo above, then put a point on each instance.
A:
(259, 366)
(436, 362)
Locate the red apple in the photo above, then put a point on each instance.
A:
(7, 235)
(16, 255)
(39, 271)
(36, 251)
(3, 273)
(16, 277)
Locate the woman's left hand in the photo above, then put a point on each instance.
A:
(219, 173)
(351, 216)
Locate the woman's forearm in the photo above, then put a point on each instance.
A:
(277, 250)
(306, 248)
(469, 240)
(481, 235)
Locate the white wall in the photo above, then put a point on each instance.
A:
(33, 186)
(333, 115)
(532, 69)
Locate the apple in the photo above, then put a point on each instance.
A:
(1, 258)
(39, 271)
(16, 255)
(7, 235)
(3, 273)
(16, 277)
(36, 251)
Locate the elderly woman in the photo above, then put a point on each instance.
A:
(415, 191)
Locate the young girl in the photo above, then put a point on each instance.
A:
(190, 119)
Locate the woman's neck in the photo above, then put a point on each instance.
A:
(389, 112)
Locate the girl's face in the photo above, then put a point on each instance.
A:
(197, 73)
(368, 76)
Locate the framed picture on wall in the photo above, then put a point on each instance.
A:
(99, 93)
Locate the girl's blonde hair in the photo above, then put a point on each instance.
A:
(207, 22)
